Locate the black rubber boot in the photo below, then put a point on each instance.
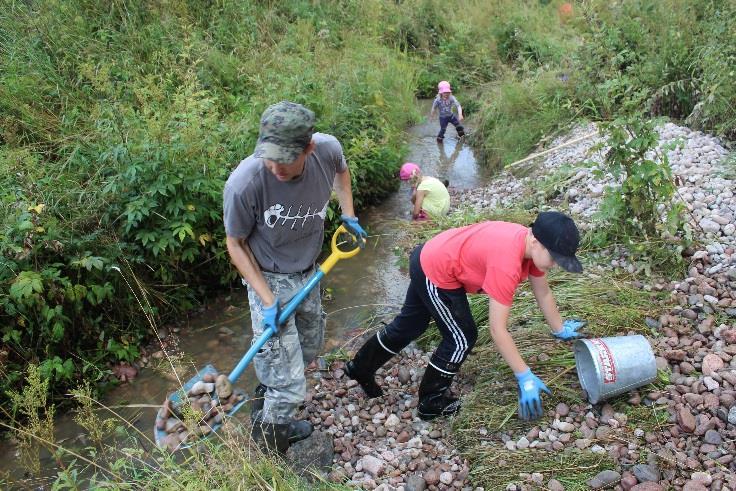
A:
(256, 403)
(362, 368)
(435, 398)
(270, 437)
(299, 430)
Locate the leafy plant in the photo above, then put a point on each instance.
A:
(642, 206)
(640, 210)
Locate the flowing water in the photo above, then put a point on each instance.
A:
(359, 289)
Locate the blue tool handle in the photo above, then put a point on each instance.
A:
(283, 317)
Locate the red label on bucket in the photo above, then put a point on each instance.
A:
(605, 357)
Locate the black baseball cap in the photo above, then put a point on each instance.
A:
(559, 234)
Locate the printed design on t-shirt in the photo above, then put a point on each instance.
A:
(278, 212)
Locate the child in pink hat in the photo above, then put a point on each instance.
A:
(429, 195)
(444, 102)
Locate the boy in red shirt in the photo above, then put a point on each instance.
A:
(490, 258)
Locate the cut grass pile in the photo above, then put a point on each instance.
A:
(497, 466)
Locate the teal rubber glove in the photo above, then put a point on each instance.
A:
(530, 401)
(351, 223)
(569, 329)
(271, 316)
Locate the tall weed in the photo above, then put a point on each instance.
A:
(37, 431)
(519, 112)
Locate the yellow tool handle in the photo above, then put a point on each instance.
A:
(337, 254)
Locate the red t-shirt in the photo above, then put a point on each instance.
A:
(486, 257)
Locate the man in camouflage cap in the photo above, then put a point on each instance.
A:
(275, 203)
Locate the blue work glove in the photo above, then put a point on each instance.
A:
(530, 401)
(271, 316)
(569, 329)
(351, 223)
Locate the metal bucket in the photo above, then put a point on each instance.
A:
(611, 366)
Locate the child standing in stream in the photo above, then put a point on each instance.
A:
(444, 102)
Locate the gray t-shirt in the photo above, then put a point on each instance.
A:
(283, 222)
(445, 106)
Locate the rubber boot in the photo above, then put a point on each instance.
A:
(256, 404)
(435, 398)
(299, 429)
(362, 368)
(270, 437)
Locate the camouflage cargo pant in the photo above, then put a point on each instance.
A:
(280, 363)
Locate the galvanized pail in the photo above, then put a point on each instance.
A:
(611, 366)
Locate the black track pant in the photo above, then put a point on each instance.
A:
(450, 311)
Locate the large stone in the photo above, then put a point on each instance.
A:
(646, 473)
(628, 481)
(565, 426)
(732, 415)
(702, 477)
(582, 443)
(315, 451)
(555, 485)
(372, 465)
(603, 432)
(404, 375)
(711, 364)
(710, 383)
(415, 483)
(689, 314)
(392, 421)
(200, 388)
(709, 226)
(223, 386)
(675, 355)
(403, 437)
(693, 399)
(694, 486)
(604, 479)
(686, 420)
(729, 336)
(446, 478)
(432, 477)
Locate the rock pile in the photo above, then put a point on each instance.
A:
(207, 401)
(381, 443)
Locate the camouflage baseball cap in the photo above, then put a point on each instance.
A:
(286, 130)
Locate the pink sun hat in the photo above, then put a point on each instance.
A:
(408, 170)
(444, 87)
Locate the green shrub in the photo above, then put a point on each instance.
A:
(640, 212)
